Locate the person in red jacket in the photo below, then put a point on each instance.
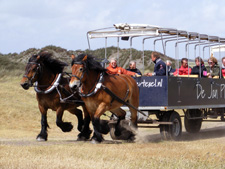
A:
(223, 67)
(184, 69)
(114, 69)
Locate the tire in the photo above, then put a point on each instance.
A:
(193, 125)
(126, 131)
(171, 132)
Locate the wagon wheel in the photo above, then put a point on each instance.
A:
(125, 132)
(171, 132)
(193, 125)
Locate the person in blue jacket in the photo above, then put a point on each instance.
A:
(133, 68)
(160, 66)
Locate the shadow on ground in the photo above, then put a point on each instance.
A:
(142, 137)
(215, 132)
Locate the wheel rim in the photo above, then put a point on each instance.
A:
(176, 127)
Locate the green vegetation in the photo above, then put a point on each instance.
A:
(14, 63)
(10, 67)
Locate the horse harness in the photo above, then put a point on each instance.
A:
(54, 85)
(99, 86)
(37, 71)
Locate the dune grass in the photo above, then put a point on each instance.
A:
(20, 124)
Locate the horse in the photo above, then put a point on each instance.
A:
(50, 87)
(92, 80)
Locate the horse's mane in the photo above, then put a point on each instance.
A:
(46, 58)
(91, 63)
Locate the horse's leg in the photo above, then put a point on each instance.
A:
(97, 134)
(135, 102)
(121, 115)
(65, 126)
(43, 135)
(133, 115)
(79, 115)
(98, 129)
(86, 131)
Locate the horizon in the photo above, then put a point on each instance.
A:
(36, 24)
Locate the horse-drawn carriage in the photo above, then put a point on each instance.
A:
(162, 96)
(199, 98)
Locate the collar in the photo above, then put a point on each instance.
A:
(51, 87)
(97, 87)
(157, 60)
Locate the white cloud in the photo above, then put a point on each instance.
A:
(26, 23)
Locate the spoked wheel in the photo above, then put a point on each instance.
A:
(171, 132)
(193, 125)
(123, 132)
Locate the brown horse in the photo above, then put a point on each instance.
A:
(90, 76)
(50, 88)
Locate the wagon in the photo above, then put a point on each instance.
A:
(200, 99)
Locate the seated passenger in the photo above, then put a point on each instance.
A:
(195, 70)
(223, 67)
(213, 69)
(184, 69)
(160, 66)
(132, 68)
(114, 69)
(170, 70)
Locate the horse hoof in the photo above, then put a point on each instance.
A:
(39, 139)
(95, 141)
(81, 139)
(67, 127)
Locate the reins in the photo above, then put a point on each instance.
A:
(99, 86)
(114, 96)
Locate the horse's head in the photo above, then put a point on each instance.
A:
(32, 72)
(79, 69)
(41, 67)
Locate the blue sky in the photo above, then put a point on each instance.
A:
(27, 24)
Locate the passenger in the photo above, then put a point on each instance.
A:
(223, 67)
(114, 69)
(170, 70)
(184, 69)
(160, 66)
(213, 69)
(132, 68)
(195, 70)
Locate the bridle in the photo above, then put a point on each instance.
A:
(96, 86)
(83, 71)
(54, 86)
(38, 71)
